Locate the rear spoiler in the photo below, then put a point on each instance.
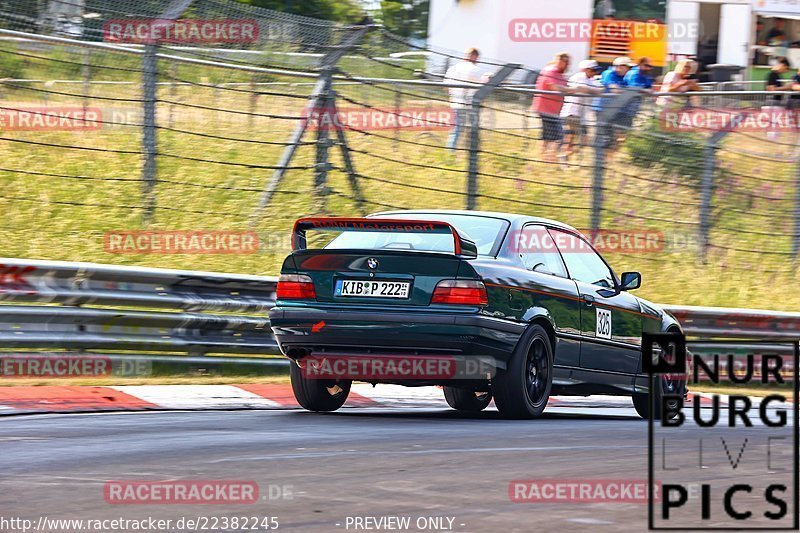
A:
(462, 247)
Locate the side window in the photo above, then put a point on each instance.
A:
(538, 252)
(583, 263)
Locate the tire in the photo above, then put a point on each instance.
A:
(523, 389)
(663, 384)
(467, 400)
(318, 394)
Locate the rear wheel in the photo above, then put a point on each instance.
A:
(318, 394)
(522, 390)
(467, 400)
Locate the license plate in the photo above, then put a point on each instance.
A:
(372, 289)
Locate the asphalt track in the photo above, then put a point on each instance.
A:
(358, 462)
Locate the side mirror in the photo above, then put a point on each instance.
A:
(630, 281)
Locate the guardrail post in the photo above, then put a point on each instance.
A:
(473, 121)
(605, 118)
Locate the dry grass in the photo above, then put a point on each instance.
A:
(66, 219)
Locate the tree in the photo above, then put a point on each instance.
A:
(347, 11)
(408, 18)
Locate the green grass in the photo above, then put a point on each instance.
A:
(65, 219)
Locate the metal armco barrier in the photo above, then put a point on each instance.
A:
(42, 307)
(46, 305)
(731, 323)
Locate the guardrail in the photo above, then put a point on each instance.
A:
(157, 313)
(53, 305)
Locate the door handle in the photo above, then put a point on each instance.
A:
(589, 299)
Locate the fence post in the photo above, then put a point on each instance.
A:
(150, 74)
(253, 102)
(149, 87)
(473, 119)
(86, 73)
(605, 118)
(796, 240)
(322, 165)
(322, 90)
(173, 92)
(707, 190)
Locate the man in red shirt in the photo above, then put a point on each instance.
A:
(548, 106)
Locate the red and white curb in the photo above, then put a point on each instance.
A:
(66, 399)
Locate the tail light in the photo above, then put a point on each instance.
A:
(461, 292)
(296, 287)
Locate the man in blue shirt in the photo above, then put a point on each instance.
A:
(614, 79)
(614, 76)
(638, 75)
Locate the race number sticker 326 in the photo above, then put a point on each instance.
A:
(603, 323)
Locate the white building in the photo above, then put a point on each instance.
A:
(716, 31)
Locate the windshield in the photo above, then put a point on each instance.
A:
(483, 231)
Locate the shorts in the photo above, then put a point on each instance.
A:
(552, 128)
(575, 127)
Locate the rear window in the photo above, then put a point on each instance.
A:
(483, 231)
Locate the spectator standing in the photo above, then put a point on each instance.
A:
(613, 81)
(777, 33)
(639, 76)
(576, 109)
(679, 80)
(794, 100)
(548, 106)
(775, 83)
(466, 71)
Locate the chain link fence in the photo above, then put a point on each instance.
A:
(274, 116)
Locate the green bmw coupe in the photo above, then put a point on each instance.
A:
(486, 305)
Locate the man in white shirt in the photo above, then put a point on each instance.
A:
(466, 71)
(576, 108)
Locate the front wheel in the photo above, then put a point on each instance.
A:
(523, 388)
(467, 400)
(318, 394)
(663, 384)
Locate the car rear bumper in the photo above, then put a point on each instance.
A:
(302, 331)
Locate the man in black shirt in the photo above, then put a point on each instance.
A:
(776, 33)
(774, 82)
(794, 100)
